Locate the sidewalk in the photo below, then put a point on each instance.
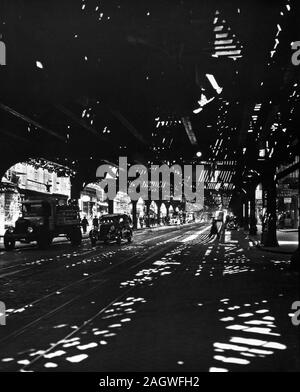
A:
(287, 240)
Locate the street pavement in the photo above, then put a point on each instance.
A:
(287, 240)
(173, 300)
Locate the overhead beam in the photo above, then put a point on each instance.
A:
(31, 121)
(241, 140)
(288, 171)
(189, 130)
(244, 125)
(82, 123)
(271, 117)
(14, 136)
(129, 126)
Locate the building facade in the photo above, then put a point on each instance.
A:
(25, 181)
(288, 199)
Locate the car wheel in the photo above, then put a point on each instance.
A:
(76, 237)
(9, 244)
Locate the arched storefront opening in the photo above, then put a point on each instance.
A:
(92, 202)
(122, 204)
(163, 213)
(140, 212)
(153, 210)
(259, 207)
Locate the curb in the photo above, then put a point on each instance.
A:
(257, 244)
(282, 252)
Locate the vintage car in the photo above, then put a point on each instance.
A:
(112, 227)
(43, 220)
(232, 224)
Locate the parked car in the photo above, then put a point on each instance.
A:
(232, 224)
(112, 227)
(175, 221)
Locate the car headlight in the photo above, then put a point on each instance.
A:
(30, 229)
(11, 229)
(112, 228)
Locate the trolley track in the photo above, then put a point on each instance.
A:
(101, 274)
(91, 253)
(48, 260)
(93, 317)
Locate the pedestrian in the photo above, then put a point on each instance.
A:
(227, 220)
(214, 229)
(84, 224)
(141, 222)
(96, 222)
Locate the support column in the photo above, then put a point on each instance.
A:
(7, 164)
(147, 204)
(110, 206)
(134, 213)
(246, 214)
(2, 171)
(168, 205)
(159, 203)
(167, 208)
(269, 234)
(183, 211)
(253, 219)
(76, 188)
(295, 263)
(237, 207)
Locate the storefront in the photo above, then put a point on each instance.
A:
(288, 208)
(24, 181)
(288, 199)
(9, 205)
(92, 202)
